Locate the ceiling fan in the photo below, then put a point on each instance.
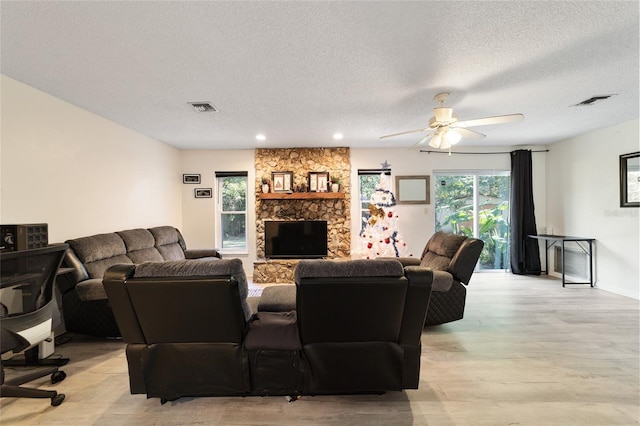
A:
(445, 130)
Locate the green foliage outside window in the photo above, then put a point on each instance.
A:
(454, 201)
(233, 214)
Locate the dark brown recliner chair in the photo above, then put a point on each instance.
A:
(184, 323)
(453, 259)
(360, 324)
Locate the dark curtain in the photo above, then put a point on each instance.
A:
(525, 253)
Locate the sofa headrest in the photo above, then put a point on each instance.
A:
(348, 268)
(189, 268)
(137, 239)
(97, 247)
(444, 244)
(199, 268)
(165, 235)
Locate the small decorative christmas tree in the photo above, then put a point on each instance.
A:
(380, 236)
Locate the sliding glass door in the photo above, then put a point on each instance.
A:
(476, 204)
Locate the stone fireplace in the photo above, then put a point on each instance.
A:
(332, 207)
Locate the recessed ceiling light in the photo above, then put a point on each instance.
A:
(338, 136)
(261, 137)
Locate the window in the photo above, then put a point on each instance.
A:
(476, 204)
(231, 209)
(367, 181)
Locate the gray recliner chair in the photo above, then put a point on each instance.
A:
(452, 259)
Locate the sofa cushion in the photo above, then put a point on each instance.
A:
(91, 289)
(96, 269)
(435, 261)
(140, 245)
(169, 242)
(97, 247)
(278, 298)
(137, 239)
(348, 268)
(198, 268)
(171, 252)
(444, 244)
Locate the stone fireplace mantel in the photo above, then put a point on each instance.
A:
(330, 206)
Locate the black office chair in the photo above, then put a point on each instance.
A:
(26, 311)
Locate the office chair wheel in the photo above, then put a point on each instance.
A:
(57, 400)
(57, 377)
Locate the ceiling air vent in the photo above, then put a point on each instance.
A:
(203, 106)
(594, 99)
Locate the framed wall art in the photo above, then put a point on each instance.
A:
(318, 181)
(203, 192)
(190, 178)
(282, 181)
(412, 189)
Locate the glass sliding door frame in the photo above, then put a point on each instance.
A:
(495, 220)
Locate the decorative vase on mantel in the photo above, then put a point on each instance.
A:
(265, 188)
(335, 187)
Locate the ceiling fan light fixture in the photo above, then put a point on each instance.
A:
(443, 114)
(435, 141)
(452, 137)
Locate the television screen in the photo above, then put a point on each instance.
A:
(295, 239)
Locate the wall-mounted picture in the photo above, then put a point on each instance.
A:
(282, 181)
(413, 189)
(318, 181)
(203, 192)
(190, 178)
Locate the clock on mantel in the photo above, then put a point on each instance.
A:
(300, 195)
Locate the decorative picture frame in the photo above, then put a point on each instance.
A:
(413, 189)
(630, 180)
(282, 181)
(318, 181)
(191, 178)
(203, 193)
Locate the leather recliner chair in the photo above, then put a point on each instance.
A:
(453, 259)
(190, 331)
(360, 324)
(184, 323)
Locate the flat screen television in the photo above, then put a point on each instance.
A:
(300, 239)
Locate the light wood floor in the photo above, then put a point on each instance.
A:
(528, 352)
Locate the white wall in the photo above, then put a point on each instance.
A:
(198, 214)
(583, 182)
(79, 172)
(416, 221)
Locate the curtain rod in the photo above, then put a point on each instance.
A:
(428, 151)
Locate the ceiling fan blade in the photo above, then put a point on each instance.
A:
(469, 134)
(423, 140)
(402, 133)
(498, 119)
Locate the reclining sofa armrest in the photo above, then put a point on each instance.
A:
(67, 282)
(405, 261)
(416, 303)
(200, 253)
(114, 283)
(464, 261)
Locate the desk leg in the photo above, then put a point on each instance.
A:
(590, 263)
(562, 261)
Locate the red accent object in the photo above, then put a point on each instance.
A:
(390, 214)
(387, 240)
(369, 245)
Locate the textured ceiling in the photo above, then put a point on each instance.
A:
(301, 71)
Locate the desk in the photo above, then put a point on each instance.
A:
(551, 240)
